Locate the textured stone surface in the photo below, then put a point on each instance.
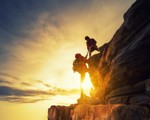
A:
(125, 61)
(59, 113)
(101, 112)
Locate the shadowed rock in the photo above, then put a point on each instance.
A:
(124, 64)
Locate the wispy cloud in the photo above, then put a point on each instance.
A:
(26, 84)
(8, 75)
(45, 84)
(16, 99)
(12, 94)
(4, 81)
(10, 91)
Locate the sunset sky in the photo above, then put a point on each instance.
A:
(38, 41)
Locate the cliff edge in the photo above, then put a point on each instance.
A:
(120, 74)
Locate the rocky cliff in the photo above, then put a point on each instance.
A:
(99, 112)
(124, 63)
(120, 73)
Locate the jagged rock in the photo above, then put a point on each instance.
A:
(89, 100)
(60, 113)
(110, 112)
(101, 112)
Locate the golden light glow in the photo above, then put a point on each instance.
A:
(87, 85)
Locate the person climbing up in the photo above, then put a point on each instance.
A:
(91, 45)
(79, 65)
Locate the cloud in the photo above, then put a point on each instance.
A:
(11, 94)
(8, 75)
(4, 82)
(16, 99)
(10, 91)
(59, 91)
(26, 84)
(45, 84)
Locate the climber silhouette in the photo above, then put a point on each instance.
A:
(79, 65)
(91, 45)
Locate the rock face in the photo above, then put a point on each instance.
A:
(120, 74)
(110, 112)
(99, 112)
(59, 113)
(124, 63)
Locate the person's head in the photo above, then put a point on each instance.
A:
(77, 55)
(87, 37)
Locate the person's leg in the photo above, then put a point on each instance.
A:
(90, 48)
(81, 81)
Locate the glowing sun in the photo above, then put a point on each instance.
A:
(87, 85)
